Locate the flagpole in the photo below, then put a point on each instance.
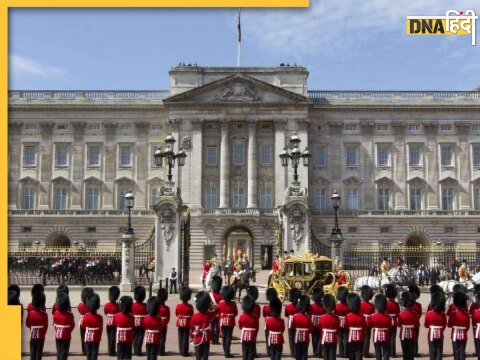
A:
(239, 40)
(238, 58)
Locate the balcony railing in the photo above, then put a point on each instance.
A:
(412, 213)
(235, 211)
(80, 212)
(396, 96)
(95, 95)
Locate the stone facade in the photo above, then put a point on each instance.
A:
(406, 163)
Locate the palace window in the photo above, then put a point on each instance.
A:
(319, 156)
(93, 155)
(238, 154)
(238, 197)
(415, 127)
(351, 127)
(320, 199)
(211, 197)
(121, 201)
(351, 156)
(446, 155)
(125, 155)
(94, 127)
(61, 155)
(415, 199)
(154, 195)
(30, 155)
(383, 155)
(352, 199)
(30, 127)
(60, 201)
(415, 155)
(29, 196)
(448, 198)
(383, 199)
(93, 198)
(445, 127)
(476, 156)
(211, 158)
(125, 127)
(266, 155)
(266, 197)
(476, 199)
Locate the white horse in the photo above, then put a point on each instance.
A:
(395, 275)
(448, 285)
(214, 270)
(476, 278)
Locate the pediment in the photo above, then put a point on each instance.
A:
(320, 181)
(238, 88)
(28, 180)
(155, 180)
(124, 180)
(383, 180)
(93, 180)
(352, 180)
(448, 180)
(476, 181)
(417, 180)
(60, 180)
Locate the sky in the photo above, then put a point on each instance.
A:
(345, 45)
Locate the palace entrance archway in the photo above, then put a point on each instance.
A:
(417, 253)
(58, 239)
(238, 243)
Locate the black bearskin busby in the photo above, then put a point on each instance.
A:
(407, 299)
(162, 295)
(248, 304)
(13, 298)
(303, 303)
(436, 288)
(62, 289)
(460, 299)
(185, 294)
(391, 291)
(437, 301)
(252, 290)
(125, 304)
(93, 303)
(317, 295)
(38, 300)
(63, 302)
(217, 282)
(353, 302)
(113, 293)
(366, 293)
(37, 288)
(275, 307)
(293, 295)
(271, 294)
(228, 293)
(380, 303)
(139, 294)
(16, 288)
(458, 287)
(415, 290)
(203, 301)
(153, 305)
(342, 294)
(88, 291)
(328, 303)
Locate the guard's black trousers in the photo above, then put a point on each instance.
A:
(63, 347)
(215, 329)
(82, 339)
(183, 333)
(459, 350)
(408, 349)
(382, 351)
(276, 352)
(248, 350)
(342, 343)
(124, 351)
(227, 332)
(393, 341)
(138, 335)
(291, 341)
(435, 348)
(316, 344)
(329, 351)
(301, 350)
(202, 351)
(355, 350)
(366, 343)
(111, 339)
(163, 340)
(152, 351)
(92, 350)
(36, 349)
(477, 347)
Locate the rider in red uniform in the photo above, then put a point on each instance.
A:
(206, 269)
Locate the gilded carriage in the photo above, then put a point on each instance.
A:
(306, 273)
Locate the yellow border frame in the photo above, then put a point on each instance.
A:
(10, 324)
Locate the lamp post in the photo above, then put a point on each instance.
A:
(295, 155)
(336, 236)
(37, 243)
(169, 155)
(129, 197)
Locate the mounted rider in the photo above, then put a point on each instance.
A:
(463, 273)
(206, 269)
(384, 268)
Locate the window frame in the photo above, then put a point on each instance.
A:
(263, 156)
(208, 156)
(121, 155)
(25, 156)
(238, 156)
(89, 155)
(32, 197)
(357, 156)
(266, 197)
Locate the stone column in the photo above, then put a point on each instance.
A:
(252, 165)
(142, 163)
(296, 222)
(128, 263)
(110, 163)
(14, 156)
(46, 151)
(280, 171)
(196, 161)
(78, 164)
(224, 167)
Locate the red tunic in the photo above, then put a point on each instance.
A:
(139, 311)
(407, 321)
(124, 324)
(473, 307)
(200, 329)
(459, 321)
(355, 324)
(393, 309)
(256, 311)
(435, 322)
(184, 313)
(290, 310)
(275, 267)
(452, 308)
(266, 311)
(228, 311)
(164, 315)
(111, 309)
(417, 308)
(329, 325)
(82, 309)
(30, 308)
(206, 269)
(248, 323)
(54, 308)
(367, 309)
(381, 325)
(275, 327)
(315, 311)
(37, 322)
(475, 322)
(93, 325)
(153, 328)
(302, 324)
(63, 323)
(341, 310)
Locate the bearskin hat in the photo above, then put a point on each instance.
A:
(93, 303)
(435, 288)
(437, 301)
(476, 288)
(380, 303)
(125, 304)
(217, 282)
(252, 290)
(317, 295)
(38, 300)
(353, 302)
(203, 301)
(293, 295)
(328, 302)
(63, 302)
(275, 307)
(415, 290)
(62, 289)
(162, 295)
(391, 291)
(16, 288)
(407, 299)
(458, 287)
(139, 294)
(13, 298)
(342, 294)
(366, 292)
(303, 303)
(113, 293)
(228, 293)
(37, 288)
(271, 294)
(248, 304)
(153, 304)
(185, 293)
(88, 291)
(460, 299)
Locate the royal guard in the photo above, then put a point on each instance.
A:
(37, 288)
(124, 323)
(341, 310)
(275, 327)
(436, 322)
(63, 324)
(111, 310)
(275, 265)
(152, 326)
(459, 321)
(367, 309)
(329, 325)
(463, 273)
(228, 312)
(164, 315)
(206, 269)
(14, 297)
(200, 326)
(316, 311)
(476, 323)
(393, 309)
(380, 324)
(60, 289)
(270, 294)
(302, 325)
(355, 324)
(253, 292)
(93, 326)
(290, 310)
(83, 309)
(384, 267)
(139, 311)
(408, 323)
(249, 325)
(452, 307)
(184, 313)
(417, 308)
(216, 298)
(37, 322)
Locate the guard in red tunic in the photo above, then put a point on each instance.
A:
(355, 324)
(380, 324)
(83, 309)
(290, 310)
(111, 309)
(249, 324)
(184, 313)
(216, 298)
(124, 322)
(393, 309)
(60, 289)
(341, 310)
(302, 325)
(275, 326)
(434, 288)
(37, 322)
(14, 297)
(270, 294)
(93, 326)
(63, 323)
(436, 322)
(200, 326)
(228, 312)
(139, 311)
(253, 292)
(476, 322)
(164, 315)
(329, 325)
(315, 311)
(367, 309)
(417, 308)
(152, 326)
(459, 321)
(408, 323)
(37, 288)
(206, 269)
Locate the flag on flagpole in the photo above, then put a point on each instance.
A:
(239, 28)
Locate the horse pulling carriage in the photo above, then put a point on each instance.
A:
(306, 273)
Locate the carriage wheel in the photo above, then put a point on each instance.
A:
(280, 287)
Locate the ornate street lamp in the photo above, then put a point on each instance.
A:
(336, 236)
(129, 197)
(37, 243)
(169, 155)
(295, 155)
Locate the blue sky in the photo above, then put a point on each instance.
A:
(356, 45)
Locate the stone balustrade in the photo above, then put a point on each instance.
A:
(80, 212)
(412, 213)
(88, 95)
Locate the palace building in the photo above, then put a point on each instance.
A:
(406, 163)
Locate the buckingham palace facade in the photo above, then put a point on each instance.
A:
(406, 163)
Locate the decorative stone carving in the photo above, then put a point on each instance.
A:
(169, 190)
(186, 143)
(296, 191)
(79, 125)
(167, 215)
(47, 126)
(168, 230)
(297, 233)
(239, 92)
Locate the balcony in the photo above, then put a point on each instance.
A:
(225, 212)
(406, 213)
(47, 212)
